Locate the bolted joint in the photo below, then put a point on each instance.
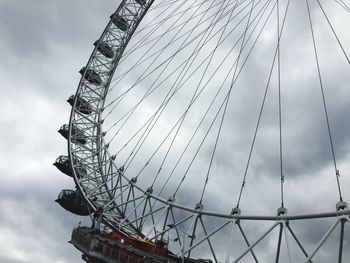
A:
(149, 191)
(282, 211)
(341, 205)
(199, 207)
(133, 180)
(171, 199)
(235, 211)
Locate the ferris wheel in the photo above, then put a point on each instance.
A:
(194, 121)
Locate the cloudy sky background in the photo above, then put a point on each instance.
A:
(43, 46)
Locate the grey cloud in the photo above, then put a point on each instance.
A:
(43, 45)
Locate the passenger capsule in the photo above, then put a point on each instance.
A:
(81, 105)
(91, 76)
(63, 164)
(104, 49)
(73, 202)
(120, 22)
(78, 136)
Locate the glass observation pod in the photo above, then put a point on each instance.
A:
(91, 76)
(82, 105)
(62, 163)
(78, 135)
(119, 22)
(72, 202)
(105, 49)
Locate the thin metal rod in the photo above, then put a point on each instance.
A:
(158, 220)
(257, 242)
(324, 238)
(173, 226)
(166, 219)
(127, 198)
(145, 215)
(136, 207)
(287, 242)
(144, 210)
(246, 241)
(341, 241)
(177, 230)
(230, 243)
(324, 103)
(206, 237)
(297, 240)
(206, 233)
(193, 236)
(279, 244)
(125, 203)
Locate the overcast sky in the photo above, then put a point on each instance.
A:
(43, 45)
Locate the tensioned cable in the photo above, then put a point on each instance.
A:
(209, 62)
(142, 42)
(149, 66)
(279, 103)
(334, 33)
(226, 103)
(183, 178)
(163, 108)
(184, 81)
(157, 25)
(153, 8)
(163, 34)
(343, 5)
(197, 87)
(263, 9)
(147, 163)
(173, 26)
(159, 65)
(324, 102)
(161, 4)
(189, 142)
(158, 53)
(260, 112)
(138, 103)
(120, 97)
(138, 63)
(200, 146)
(185, 33)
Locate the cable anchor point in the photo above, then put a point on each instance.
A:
(199, 207)
(235, 211)
(282, 211)
(341, 205)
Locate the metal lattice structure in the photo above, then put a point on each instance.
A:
(170, 44)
